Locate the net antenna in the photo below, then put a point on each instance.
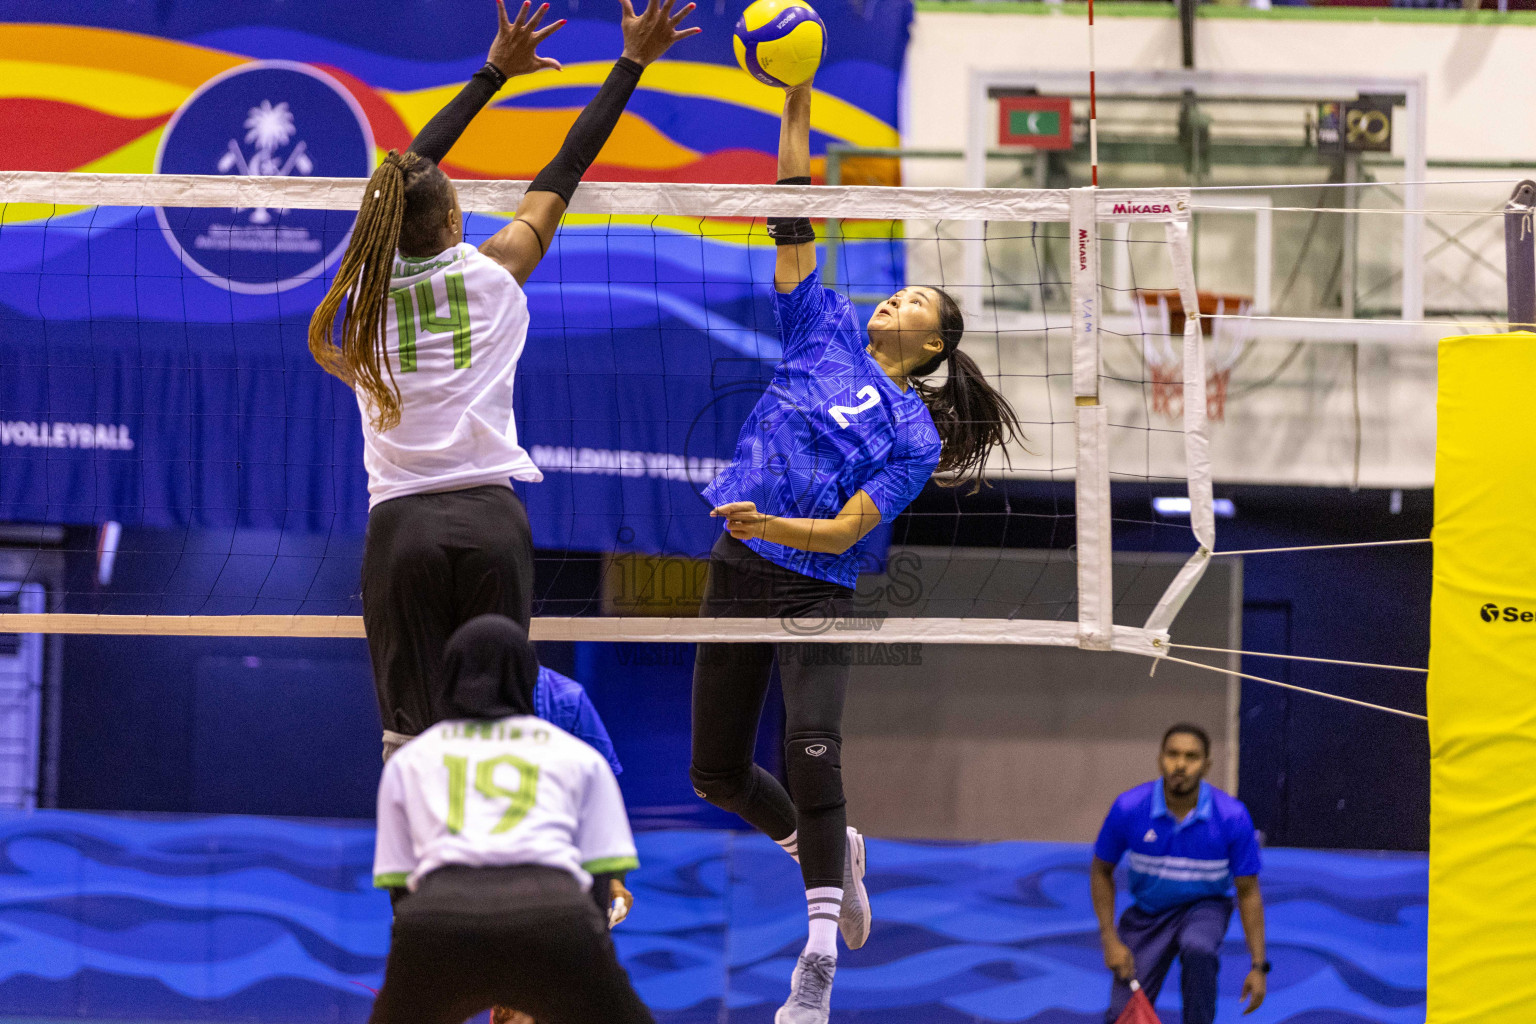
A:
(1093, 103)
(1081, 211)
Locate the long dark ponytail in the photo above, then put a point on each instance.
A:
(406, 197)
(971, 415)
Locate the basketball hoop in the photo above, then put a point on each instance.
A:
(1162, 330)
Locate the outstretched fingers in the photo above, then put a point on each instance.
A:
(544, 33)
(538, 16)
(629, 8)
(502, 24)
(677, 19)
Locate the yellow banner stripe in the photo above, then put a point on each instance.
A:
(108, 49)
(829, 114)
(120, 93)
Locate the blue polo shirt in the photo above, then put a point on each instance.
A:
(1172, 863)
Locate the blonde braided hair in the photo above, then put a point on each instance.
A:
(359, 357)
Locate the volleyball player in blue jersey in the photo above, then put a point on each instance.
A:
(844, 438)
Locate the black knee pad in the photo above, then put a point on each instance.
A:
(814, 764)
(728, 791)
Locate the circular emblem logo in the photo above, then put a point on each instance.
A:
(273, 119)
(1489, 612)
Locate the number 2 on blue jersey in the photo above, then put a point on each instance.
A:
(456, 321)
(871, 398)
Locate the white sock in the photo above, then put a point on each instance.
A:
(823, 907)
(791, 844)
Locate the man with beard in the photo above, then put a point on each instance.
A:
(1186, 843)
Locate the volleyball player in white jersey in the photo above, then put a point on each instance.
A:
(502, 827)
(429, 340)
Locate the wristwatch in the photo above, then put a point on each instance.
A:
(1262, 966)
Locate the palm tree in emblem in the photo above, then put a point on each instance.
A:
(268, 128)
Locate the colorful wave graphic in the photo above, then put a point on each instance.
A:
(227, 918)
(90, 98)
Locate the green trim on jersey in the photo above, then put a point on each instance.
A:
(610, 865)
(396, 880)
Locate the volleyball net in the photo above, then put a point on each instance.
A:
(173, 461)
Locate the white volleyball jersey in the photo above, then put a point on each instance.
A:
(455, 328)
(491, 794)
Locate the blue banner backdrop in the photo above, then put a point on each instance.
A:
(154, 365)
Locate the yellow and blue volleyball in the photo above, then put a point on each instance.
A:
(780, 42)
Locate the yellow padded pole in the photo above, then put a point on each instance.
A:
(1482, 685)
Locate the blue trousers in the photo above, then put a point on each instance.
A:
(1193, 933)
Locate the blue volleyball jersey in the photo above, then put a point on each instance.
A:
(1174, 862)
(832, 423)
(561, 700)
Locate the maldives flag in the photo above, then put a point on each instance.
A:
(1139, 1009)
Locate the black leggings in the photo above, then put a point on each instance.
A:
(432, 562)
(730, 682)
(523, 937)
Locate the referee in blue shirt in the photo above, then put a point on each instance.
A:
(1185, 842)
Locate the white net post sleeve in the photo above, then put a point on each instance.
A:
(1095, 555)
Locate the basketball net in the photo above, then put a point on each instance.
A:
(1162, 328)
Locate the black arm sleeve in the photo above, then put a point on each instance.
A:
(791, 230)
(437, 138)
(586, 137)
(602, 892)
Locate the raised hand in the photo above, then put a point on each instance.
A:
(513, 49)
(652, 32)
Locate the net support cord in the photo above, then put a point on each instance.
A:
(1197, 444)
(1299, 689)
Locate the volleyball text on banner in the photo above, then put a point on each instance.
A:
(1482, 686)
